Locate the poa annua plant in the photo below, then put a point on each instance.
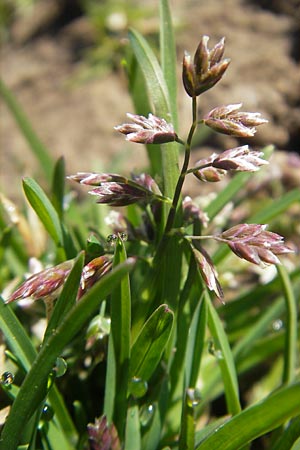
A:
(168, 353)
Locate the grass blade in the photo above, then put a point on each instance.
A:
(44, 209)
(168, 56)
(147, 350)
(16, 337)
(133, 432)
(225, 360)
(36, 146)
(19, 342)
(159, 96)
(187, 431)
(291, 345)
(34, 387)
(256, 420)
(196, 344)
(118, 348)
(58, 186)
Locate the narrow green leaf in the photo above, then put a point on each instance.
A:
(157, 411)
(58, 186)
(159, 96)
(133, 432)
(23, 349)
(290, 437)
(291, 344)
(168, 56)
(33, 389)
(256, 420)
(16, 336)
(44, 209)
(225, 358)
(276, 207)
(187, 431)
(296, 445)
(140, 99)
(147, 350)
(258, 329)
(208, 430)
(119, 346)
(195, 344)
(36, 146)
(154, 78)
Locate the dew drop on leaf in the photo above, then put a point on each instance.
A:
(123, 236)
(146, 414)
(7, 378)
(193, 397)
(112, 239)
(60, 367)
(138, 387)
(277, 325)
(47, 413)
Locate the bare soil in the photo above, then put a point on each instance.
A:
(45, 53)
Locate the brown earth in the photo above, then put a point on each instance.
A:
(43, 60)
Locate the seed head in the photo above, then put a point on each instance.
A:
(92, 272)
(46, 284)
(206, 69)
(228, 120)
(253, 243)
(116, 190)
(102, 435)
(208, 271)
(151, 130)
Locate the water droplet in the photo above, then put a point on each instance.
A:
(193, 397)
(7, 378)
(138, 387)
(47, 413)
(112, 239)
(213, 351)
(219, 354)
(60, 367)
(277, 325)
(146, 414)
(123, 236)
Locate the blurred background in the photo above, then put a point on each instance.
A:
(62, 59)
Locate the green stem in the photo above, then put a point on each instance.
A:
(290, 353)
(180, 181)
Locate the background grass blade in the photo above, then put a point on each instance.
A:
(159, 96)
(291, 344)
(147, 350)
(34, 387)
(187, 431)
(58, 186)
(35, 145)
(168, 56)
(20, 344)
(225, 358)
(115, 403)
(256, 420)
(133, 433)
(16, 337)
(44, 209)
